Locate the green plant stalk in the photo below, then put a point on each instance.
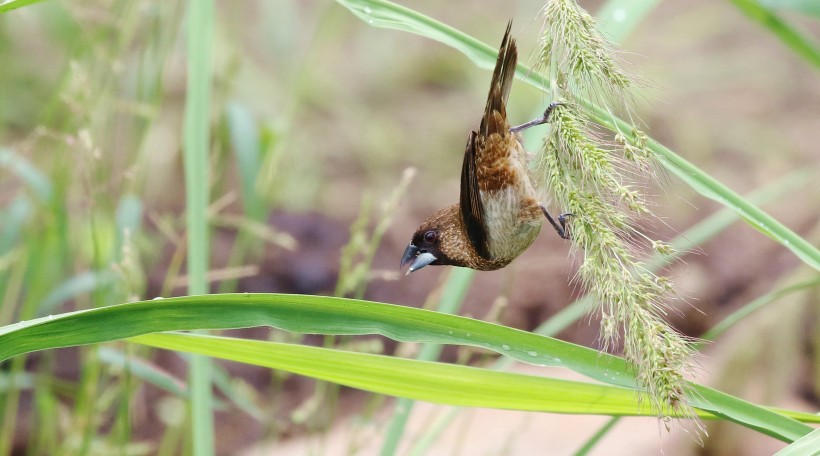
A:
(599, 434)
(197, 140)
(10, 403)
(381, 13)
(28, 288)
(385, 220)
(10, 398)
(46, 441)
(815, 343)
(122, 424)
(92, 375)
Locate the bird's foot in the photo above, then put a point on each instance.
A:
(561, 225)
(545, 118)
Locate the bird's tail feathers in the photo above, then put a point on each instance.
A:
(500, 85)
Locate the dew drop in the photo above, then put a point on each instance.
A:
(367, 10)
(505, 347)
(532, 353)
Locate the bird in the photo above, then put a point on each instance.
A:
(498, 215)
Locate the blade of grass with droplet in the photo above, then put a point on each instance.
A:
(419, 380)
(338, 316)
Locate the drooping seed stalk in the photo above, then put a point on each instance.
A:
(594, 179)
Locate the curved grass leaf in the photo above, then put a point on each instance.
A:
(756, 305)
(419, 380)
(381, 13)
(339, 316)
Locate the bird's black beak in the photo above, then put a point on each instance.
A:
(415, 259)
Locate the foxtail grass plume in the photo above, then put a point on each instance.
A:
(594, 179)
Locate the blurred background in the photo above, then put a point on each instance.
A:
(317, 116)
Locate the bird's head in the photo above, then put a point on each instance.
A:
(440, 240)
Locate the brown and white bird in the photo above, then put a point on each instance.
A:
(498, 215)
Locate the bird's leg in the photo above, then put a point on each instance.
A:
(561, 225)
(539, 121)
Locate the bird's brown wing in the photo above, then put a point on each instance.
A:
(494, 122)
(472, 210)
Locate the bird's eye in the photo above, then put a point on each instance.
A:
(430, 236)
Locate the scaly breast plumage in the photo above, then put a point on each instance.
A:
(511, 222)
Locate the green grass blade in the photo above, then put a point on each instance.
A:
(384, 14)
(339, 316)
(801, 44)
(715, 331)
(85, 282)
(144, 370)
(197, 147)
(419, 380)
(807, 446)
(599, 434)
(14, 4)
(381, 13)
